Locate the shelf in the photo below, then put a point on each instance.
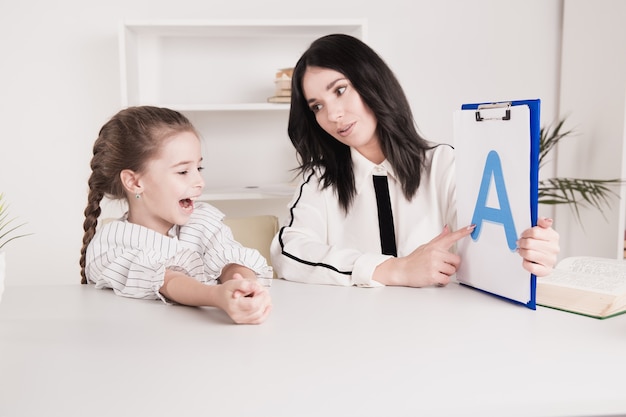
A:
(220, 73)
(215, 65)
(228, 107)
(277, 191)
(310, 28)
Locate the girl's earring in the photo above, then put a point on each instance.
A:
(137, 196)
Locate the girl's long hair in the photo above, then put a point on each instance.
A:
(127, 141)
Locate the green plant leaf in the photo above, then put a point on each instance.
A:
(549, 137)
(576, 192)
(6, 224)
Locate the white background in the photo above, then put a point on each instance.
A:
(59, 82)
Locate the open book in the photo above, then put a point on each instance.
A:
(585, 285)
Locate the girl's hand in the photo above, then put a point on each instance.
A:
(539, 247)
(245, 300)
(429, 264)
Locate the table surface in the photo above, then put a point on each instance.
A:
(72, 350)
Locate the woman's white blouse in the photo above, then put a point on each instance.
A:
(319, 243)
(132, 259)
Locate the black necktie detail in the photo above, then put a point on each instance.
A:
(385, 217)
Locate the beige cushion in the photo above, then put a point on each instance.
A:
(254, 232)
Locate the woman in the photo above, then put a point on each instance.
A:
(351, 124)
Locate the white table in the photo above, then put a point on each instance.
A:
(325, 351)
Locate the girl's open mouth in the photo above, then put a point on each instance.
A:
(186, 203)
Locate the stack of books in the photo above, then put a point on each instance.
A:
(282, 82)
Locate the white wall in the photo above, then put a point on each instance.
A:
(593, 96)
(59, 82)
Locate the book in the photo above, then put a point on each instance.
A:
(284, 73)
(283, 87)
(282, 81)
(279, 99)
(587, 285)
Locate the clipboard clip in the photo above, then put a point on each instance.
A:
(504, 105)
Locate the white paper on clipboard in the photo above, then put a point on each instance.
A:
(493, 154)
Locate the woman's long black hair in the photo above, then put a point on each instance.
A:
(379, 89)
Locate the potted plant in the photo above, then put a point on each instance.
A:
(7, 234)
(576, 192)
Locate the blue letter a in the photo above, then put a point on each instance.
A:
(503, 215)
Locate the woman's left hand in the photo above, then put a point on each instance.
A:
(539, 247)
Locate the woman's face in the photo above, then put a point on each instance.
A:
(340, 111)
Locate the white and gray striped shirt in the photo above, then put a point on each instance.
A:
(132, 259)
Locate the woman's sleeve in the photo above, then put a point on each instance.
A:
(443, 173)
(301, 252)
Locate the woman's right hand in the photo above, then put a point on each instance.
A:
(429, 264)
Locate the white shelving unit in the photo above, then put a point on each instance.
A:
(219, 73)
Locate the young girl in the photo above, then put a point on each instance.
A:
(166, 246)
(353, 129)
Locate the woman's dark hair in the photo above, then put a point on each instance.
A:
(380, 90)
(127, 141)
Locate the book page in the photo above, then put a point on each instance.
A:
(588, 273)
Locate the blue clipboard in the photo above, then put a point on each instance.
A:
(488, 125)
